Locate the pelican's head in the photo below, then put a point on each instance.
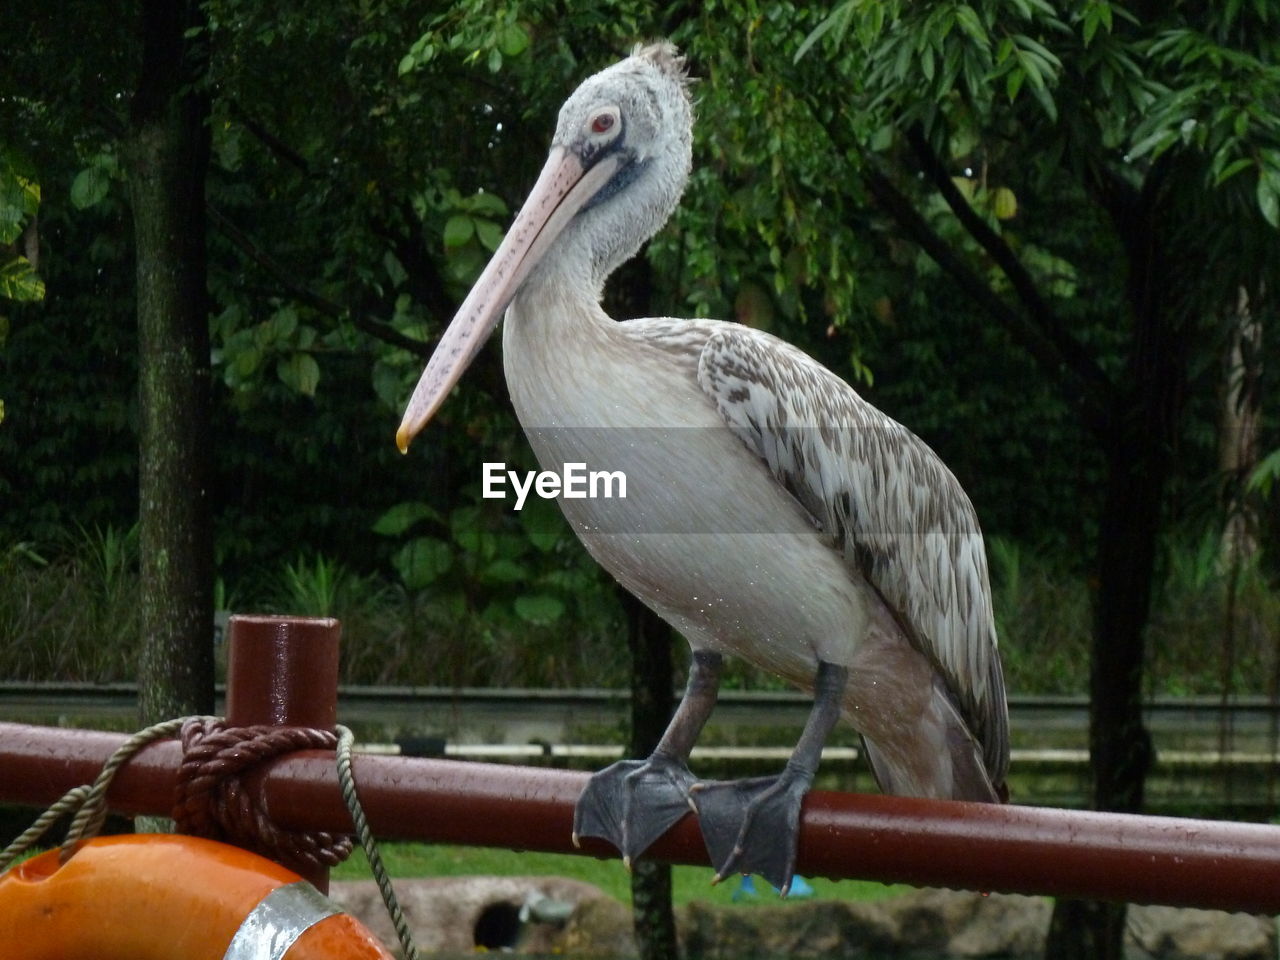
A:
(618, 164)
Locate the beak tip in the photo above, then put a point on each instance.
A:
(403, 437)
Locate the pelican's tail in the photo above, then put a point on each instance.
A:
(940, 758)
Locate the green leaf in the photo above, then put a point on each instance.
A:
(407, 63)
(483, 202)
(1231, 169)
(402, 516)
(971, 24)
(464, 525)
(422, 561)
(13, 206)
(395, 269)
(19, 281)
(503, 570)
(539, 608)
(837, 21)
(1265, 474)
(458, 229)
(245, 361)
(1013, 82)
(1155, 144)
(543, 523)
(882, 139)
(282, 323)
(89, 187)
(1269, 199)
(512, 40)
(300, 372)
(489, 234)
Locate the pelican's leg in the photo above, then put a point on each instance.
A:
(633, 802)
(752, 826)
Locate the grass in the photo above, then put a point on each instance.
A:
(405, 860)
(71, 615)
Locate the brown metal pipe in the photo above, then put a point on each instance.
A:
(1180, 862)
(283, 672)
(40, 764)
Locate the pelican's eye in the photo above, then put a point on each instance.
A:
(603, 122)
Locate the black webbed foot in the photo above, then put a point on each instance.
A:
(634, 802)
(753, 826)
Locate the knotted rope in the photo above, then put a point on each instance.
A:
(212, 800)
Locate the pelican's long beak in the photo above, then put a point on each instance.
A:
(562, 189)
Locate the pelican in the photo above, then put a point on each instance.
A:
(771, 512)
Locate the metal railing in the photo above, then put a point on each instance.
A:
(1145, 859)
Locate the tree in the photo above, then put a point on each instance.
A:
(166, 153)
(1163, 123)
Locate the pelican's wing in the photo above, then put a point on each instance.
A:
(891, 506)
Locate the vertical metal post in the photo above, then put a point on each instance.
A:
(283, 671)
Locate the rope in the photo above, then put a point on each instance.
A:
(88, 803)
(212, 800)
(347, 783)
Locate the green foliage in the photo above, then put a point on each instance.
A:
(92, 184)
(1265, 474)
(69, 611)
(1209, 626)
(1042, 619)
(512, 570)
(356, 202)
(318, 587)
(19, 201)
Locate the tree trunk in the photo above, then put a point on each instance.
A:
(167, 157)
(1142, 432)
(649, 640)
(1238, 422)
(1119, 745)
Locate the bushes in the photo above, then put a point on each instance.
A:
(1205, 635)
(68, 612)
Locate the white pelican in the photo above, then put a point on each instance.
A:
(771, 512)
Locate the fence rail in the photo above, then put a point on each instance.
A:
(1011, 848)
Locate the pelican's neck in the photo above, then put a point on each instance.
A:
(560, 350)
(560, 296)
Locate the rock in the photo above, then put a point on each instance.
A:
(826, 928)
(600, 927)
(962, 924)
(935, 923)
(1173, 934)
(459, 914)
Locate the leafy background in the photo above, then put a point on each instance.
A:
(366, 159)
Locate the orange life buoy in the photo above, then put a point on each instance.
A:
(162, 897)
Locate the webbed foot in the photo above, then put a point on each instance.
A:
(634, 802)
(753, 826)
